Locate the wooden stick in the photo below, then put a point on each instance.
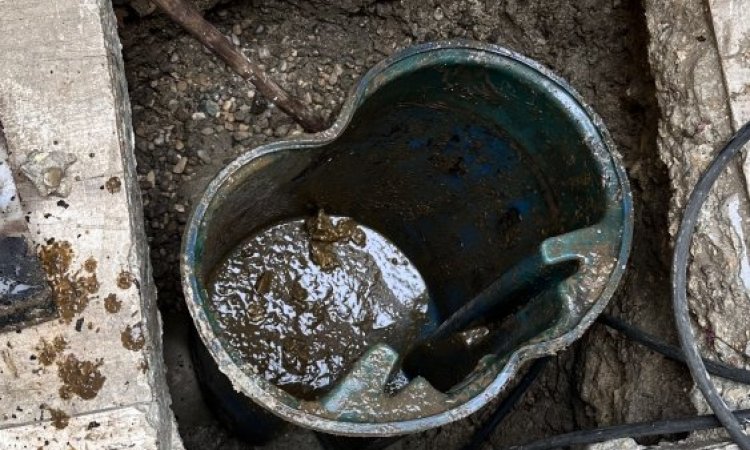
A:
(182, 12)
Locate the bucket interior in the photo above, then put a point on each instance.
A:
(467, 167)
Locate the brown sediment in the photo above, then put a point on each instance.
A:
(143, 366)
(71, 291)
(48, 351)
(133, 338)
(60, 418)
(113, 185)
(111, 304)
(81, 378)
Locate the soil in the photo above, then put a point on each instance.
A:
(192, 115)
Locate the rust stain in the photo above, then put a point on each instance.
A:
(111, 304)
(70, 290)
(133, 338)
(113, 185)
(48, 351)
(81, 378)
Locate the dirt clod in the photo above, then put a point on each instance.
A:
(324, 234)
(111, 304)
(60, 418)
(125, 280)
(81, 378)
(48, 351)
(90, 265)
(71, 290)
(133, 338)
(113, 185)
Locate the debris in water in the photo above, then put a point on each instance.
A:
(301, 321)
(323, 234)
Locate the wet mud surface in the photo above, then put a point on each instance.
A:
(302, 300)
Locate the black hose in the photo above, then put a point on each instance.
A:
(505, 407)
(634, 430)
(674, 353)
(679, 287)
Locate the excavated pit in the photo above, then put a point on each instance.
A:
(191, 116)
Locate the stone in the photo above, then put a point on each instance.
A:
(180, 166)
(47, 171)
(210, 108)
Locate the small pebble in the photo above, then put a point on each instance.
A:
(151, 178)
(180, 166)
(204, 157)
(241, 135)
(210, 108)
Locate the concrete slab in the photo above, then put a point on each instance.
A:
(62, 88)
(700, 58)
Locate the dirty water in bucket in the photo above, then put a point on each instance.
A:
(302, 300)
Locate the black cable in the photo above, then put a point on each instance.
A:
(599, 434)
(634, 430)
(674, 353)
(679, 287)
(505, 407)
